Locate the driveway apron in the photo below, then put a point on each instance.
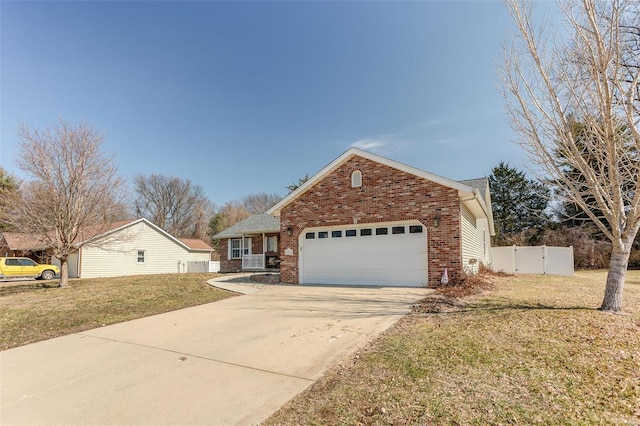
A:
(234, 361)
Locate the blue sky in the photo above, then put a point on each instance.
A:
(246, 97)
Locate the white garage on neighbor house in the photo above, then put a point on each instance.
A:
(135, 247)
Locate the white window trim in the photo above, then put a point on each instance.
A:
(247, 248)
(275, 239)
(144, 256)
(356, 179)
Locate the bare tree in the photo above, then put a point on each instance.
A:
(260, 202)
(591, 76)
(176, 205)
(72, 185)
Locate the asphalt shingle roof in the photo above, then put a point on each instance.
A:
(255, 224)
(480, 184)
(195, 244)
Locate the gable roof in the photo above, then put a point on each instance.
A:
(20, 241)
(119, 226)
(255, 224)
(469, 191)
(92, 231)
(196, 244)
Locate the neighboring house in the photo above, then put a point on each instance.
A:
(367, 220)
(15, 244)
(133, 247)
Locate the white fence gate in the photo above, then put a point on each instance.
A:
(533, 260)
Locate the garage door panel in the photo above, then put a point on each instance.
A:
(371, 261)
(392, 259)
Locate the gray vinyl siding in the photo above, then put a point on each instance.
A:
(118, 255)
(475, 241)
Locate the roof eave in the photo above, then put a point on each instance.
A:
(222, 235)
(476, 205)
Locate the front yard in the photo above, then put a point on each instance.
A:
(533, 351)
(34, 311)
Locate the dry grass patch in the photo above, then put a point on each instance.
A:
(533, 351)
(32, 312)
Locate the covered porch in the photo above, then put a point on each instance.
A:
(251, 245)
(254, 259)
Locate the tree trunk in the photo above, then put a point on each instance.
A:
(615, 281)
(64, 272)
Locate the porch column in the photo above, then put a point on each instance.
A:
(242, 251)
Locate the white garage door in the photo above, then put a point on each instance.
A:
(393, 254)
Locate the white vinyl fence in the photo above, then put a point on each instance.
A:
(203, 266)
(533, 260)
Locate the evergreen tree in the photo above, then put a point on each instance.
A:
(519, 204)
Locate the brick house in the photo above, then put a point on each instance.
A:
(368, 220)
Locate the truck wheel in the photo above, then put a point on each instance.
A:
(47, 275)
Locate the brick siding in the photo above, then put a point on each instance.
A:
(387, 194)
(235, 265)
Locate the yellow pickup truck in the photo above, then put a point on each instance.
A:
(23, 267)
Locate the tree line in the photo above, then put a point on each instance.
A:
(529, 212)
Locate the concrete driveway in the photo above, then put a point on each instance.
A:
(230, 362)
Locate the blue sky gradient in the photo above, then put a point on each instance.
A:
(246, 97)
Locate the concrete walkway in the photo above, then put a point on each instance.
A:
(229, 282)
(230, 362)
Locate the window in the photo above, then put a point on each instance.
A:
(27, 262)
(272, 243)
(336, 234)
(236, 250)
(350, 233)
(365, 232)
(397, 230)
(382, 231)
(310, 235)
(12, 262)
(140, 256)
(356, 179)
(415, 229)
(323, 235)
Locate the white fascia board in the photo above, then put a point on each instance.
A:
(146, 221)
(109, 232)
(477, 206)
(461, 188)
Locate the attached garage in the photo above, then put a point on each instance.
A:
(390, 254)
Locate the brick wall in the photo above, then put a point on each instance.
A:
(386, 195)
(226, 264)
(235, 265)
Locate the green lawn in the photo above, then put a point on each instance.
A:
(37, 311)
(533, 351)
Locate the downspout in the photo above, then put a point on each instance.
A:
(79, 265)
